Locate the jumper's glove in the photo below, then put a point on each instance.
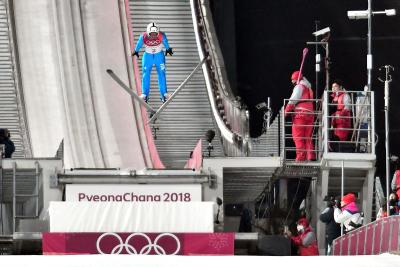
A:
(169, 51)
(134, 53)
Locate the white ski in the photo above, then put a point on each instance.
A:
(131, 92)
(180, 87)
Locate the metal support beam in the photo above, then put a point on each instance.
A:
(139, 179)
(367, 194)
(322, 187)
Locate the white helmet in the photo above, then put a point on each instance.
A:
(152, 27)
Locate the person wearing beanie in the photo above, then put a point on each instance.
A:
(332, 228)
(348, 214)
(306, 240)
(301, 107)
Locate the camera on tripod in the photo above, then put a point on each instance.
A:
(262, 106)
(332, 201)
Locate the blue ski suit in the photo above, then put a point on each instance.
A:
(153, 55)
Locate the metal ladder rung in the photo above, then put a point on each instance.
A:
(27, 195)
(26, 216)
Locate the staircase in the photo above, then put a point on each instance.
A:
(12, 114)
(20, 197)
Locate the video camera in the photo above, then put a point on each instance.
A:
(332, 201)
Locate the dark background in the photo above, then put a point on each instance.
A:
(262, 43)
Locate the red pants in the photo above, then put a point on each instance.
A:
(339, 131)
(341, 124)
(302, 129)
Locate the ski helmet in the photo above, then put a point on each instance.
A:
(152, 28)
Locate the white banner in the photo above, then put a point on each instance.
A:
(133, 193)
(131, 217)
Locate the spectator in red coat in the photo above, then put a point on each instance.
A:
(306, 240)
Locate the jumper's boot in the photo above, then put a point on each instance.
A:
(144, 97)
(165, 97)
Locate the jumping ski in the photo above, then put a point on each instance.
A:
(180, 87)
(131, 92)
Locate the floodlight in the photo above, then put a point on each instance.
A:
(390, 12)
(322, 31)
(357, 14)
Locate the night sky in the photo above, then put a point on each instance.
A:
(262, 43)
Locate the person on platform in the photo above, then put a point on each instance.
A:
(394, 204)
(347, 213)
(394, 207)
(332, 228)
(154, 40)
(305, 240)
(5, 140)
(301, 107)
(341, 118)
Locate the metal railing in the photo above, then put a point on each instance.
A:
(230, 114)
(20, 196)
(356, 131)
(332, 132)
(372, 239)
(288, 142)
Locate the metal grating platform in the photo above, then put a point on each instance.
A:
(299, 169)
(245, 184)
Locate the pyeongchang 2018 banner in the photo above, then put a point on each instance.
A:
(133, 193)
(139, 243)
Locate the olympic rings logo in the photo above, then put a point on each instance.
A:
(153, 42)
(130, 249)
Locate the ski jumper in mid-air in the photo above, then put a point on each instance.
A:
(154, 40)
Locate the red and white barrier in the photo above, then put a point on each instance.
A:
(139, 243)
(372, 239)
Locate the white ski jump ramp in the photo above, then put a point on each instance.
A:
(65, 48)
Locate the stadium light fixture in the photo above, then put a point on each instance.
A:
(367, 14)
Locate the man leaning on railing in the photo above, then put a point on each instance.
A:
(341, 118)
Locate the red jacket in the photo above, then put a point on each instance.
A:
(307, 94)
(152, 41)
(338, 98)
(341, 118)
(301, 241)
(301, 105)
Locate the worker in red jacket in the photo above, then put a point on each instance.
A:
(301, 106)
(306, 241)
(341, 118)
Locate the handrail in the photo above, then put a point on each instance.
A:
(286, 126)
(364, 124)
(16, 76)
(230, 116)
